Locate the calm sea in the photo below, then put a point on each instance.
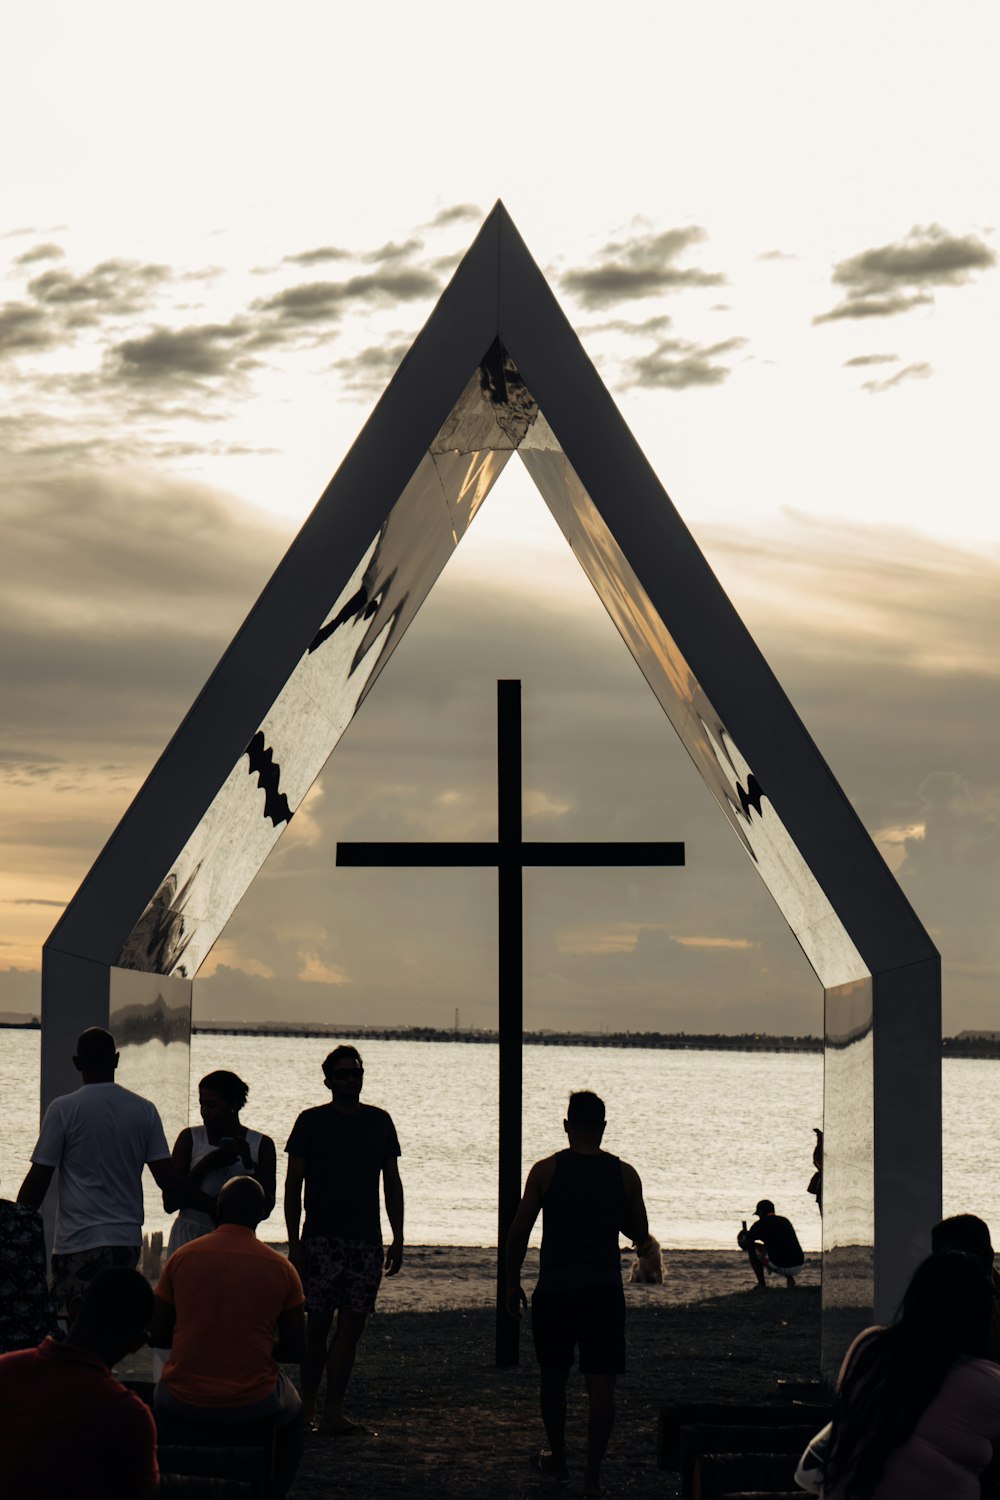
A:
(709, 1132)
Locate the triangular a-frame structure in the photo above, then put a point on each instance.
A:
(498, 369)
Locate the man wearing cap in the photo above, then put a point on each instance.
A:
(771, 1245)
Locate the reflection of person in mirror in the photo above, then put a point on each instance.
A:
(771, 1245)
(220, 1148)
(816, 1180)
(339, 1152)
(98, 1139)
(586, 1197)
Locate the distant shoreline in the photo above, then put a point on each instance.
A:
(985, 1047)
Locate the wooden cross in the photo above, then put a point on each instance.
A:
(509, 855)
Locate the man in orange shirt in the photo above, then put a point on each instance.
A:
(228, 1308)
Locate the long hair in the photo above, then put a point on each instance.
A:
(896, 1373)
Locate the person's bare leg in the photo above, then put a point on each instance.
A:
(317, 1333)
(553, 1405)
(339, 1364)
(600, 1420)
(758, 1267)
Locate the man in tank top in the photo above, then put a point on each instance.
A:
(586, 1197)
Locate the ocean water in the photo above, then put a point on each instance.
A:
(708, 1132)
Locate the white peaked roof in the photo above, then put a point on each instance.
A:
(496, 369)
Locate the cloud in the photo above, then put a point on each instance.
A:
(299, 307)
(169, 355)
(115, 589)
(112, 288)
(393, 251)
(920, 371)
(649, 327)
(46, 251)
(643, 266)
(25, 328)
(891, 279)
(860, 360)
(777, 255)
(317, 257)
(677, 365)
(368, 372)
(458, 213)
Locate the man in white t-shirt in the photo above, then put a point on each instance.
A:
(99, 1139)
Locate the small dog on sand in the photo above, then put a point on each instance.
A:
(648, 1267)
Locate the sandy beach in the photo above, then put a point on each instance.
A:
(447, 1422)
(438, 1278)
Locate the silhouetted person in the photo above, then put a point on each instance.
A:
(771, 1245)
(229, 1307)
(98, 1139)
(971, 1235)
(67, 1427)
(221, 1147)
(917, 1410)
(586, 1197)
(816, 1180)
(340, 1151)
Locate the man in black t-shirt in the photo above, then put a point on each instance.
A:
(771, 1245)
(339, 1152)
(585, 1196)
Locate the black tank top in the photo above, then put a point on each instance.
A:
(582, 1213)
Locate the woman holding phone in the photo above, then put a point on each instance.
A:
(220, 1148)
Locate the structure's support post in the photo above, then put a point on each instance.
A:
(882, 1146)
(511, 1022)
(907, 1098)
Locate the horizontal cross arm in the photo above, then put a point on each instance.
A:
(603, 853)
(415, 854)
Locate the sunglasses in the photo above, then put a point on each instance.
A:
(344, 1075)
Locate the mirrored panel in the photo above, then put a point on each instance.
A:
(723, 767)
(848, 1169)
(362, 628)
(149, 1016)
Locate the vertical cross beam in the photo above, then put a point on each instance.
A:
(511, 993)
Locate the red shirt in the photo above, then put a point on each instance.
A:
(67, 1427)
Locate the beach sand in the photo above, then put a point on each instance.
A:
(450, 1424)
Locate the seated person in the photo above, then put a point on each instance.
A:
(66, 1425)
(228, 1307)
(771, 1245)
(967, 1233)
(27, 1312)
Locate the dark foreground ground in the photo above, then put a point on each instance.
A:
(450, 1424)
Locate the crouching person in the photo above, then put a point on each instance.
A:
(228, 1308)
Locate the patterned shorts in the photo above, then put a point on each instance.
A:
(340, 1273)
(73, 1273)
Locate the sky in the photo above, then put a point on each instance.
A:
(775, 231)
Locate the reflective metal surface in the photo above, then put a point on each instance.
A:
(723, 767)
(197, 897)
(848, 1169)
(149, 1016)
